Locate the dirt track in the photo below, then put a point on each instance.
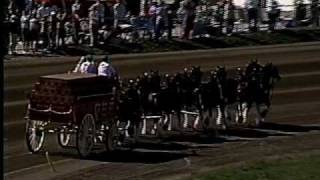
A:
(179, 156)
(232, 154)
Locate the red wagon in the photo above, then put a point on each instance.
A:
(81, 105)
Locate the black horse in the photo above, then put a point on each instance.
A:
(226, 97)
(149, 86)
(270, 77)
(212, 99)
(169, 100)
(242, 96)
(139, 102)
(130, 109)
(190, 95)
(261, 81)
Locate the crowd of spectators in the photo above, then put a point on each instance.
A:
(44, 26)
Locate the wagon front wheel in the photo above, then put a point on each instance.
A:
(112, 138)
(34, 135)
(86, 135)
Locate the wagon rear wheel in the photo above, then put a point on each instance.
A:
(86, 136)
(34, 135)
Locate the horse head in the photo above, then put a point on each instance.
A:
(221, 73)
(196, 75)
(272, 70)
(270, 75)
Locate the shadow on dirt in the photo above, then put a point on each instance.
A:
(288, 127)
(176, 145)
(140, 156)
(194, 137)
(170, 146)
(144, 156)
(250, 133)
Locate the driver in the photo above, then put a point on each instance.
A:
(81, 61)
(88, 66)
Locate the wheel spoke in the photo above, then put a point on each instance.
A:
(34, 135)
(86, 135)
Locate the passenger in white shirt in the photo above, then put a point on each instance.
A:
(106, 69)
(84, 67)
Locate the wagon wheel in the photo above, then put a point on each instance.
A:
(34, 135)
(64, 137)
(112, 138)
(86, 135)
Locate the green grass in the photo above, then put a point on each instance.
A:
(307, 168)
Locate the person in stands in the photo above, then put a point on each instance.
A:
(152, 16)
(24, 26)
(13, 30)
(60, 35)
(120, 12)
(161, 19)
(93, 25)
(75, 17)
(100, 12)
(34, 29)
(189, 7)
